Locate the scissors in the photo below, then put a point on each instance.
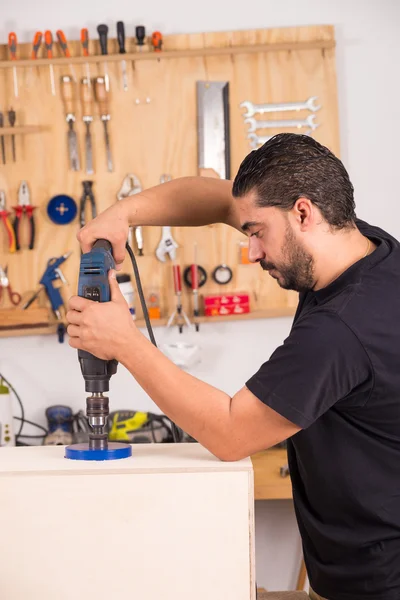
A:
(15, 298)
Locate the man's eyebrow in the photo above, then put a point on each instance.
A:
(246, 226)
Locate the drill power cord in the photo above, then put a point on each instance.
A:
(176, 432)
(22, 417)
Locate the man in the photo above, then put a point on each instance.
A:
(332, 389)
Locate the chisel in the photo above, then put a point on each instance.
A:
(102, 30)
(121, 44)
(67, 93)
(12, 46)
(101, 98)
(87, 116)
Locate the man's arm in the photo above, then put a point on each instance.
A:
(187, 201)
(230, 428)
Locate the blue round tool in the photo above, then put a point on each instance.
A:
(62, 209)
(113, 452)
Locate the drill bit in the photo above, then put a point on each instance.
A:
(11, 120)
(3, 150)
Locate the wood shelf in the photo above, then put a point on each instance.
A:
(38, 321)
(22, 130)
(268, 482)
(167, 54)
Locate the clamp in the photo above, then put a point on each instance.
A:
(4, 216)
(24, 206)
(130, 186)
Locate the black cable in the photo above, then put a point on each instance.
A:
(34, 424)
(22, 419)
(176, 432)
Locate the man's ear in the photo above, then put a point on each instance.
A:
(304, 213)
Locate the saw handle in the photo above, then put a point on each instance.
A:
(67, 93)
(86, 97)
(101, 95)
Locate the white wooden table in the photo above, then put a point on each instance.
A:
(172, 522)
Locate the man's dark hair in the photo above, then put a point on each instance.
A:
(290, 166)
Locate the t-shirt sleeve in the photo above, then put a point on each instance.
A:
(320, 363)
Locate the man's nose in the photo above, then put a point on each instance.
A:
(256, 253)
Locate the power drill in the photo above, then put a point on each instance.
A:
(94, 285)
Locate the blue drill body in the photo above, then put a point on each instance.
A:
(93, 274)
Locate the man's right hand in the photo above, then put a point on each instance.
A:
(111, 225)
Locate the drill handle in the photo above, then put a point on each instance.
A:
(105, 244)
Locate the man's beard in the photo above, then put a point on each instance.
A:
(297, 266)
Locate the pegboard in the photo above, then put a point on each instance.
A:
(153, 131)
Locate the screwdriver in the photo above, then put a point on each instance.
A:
(11, 119)
(12, 46)
(121, 43)
(62, 40)
(157, 41)
(48, 40)
(195, 288)
(37, 42)
(102, 30)
(140, 35)
(85, 49)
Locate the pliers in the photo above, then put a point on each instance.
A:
(4, 214)
(87, 193)
(15, 298)
(24, 206)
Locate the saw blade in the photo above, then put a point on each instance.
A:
(73, 150)
(213, 127)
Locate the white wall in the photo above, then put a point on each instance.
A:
(368, 55)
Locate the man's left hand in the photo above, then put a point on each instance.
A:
(105, 329)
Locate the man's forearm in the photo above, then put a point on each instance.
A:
(186, 201)
(197, 407)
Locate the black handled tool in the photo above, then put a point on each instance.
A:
(122, 50)
(102, 30)
(87, 194)
(11, 119)
(140, 35)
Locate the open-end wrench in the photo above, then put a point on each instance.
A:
(167, 245)
(259, 140)
(308, 122)
(131, 186)
(252, 109)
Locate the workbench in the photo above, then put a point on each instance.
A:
(268, 483)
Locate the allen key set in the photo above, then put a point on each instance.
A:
(256, 140)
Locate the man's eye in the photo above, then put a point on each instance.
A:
(255, 234)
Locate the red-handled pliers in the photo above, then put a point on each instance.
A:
(4, 216)
(24, 206)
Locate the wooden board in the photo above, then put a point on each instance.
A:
(156, 137)
(167, 520)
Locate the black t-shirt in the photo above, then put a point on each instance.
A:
(337, 376)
